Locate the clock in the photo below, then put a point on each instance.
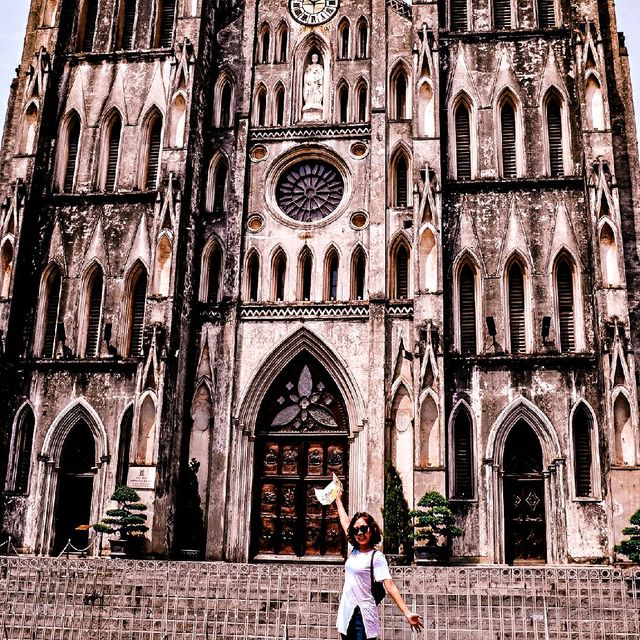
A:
(313, 12)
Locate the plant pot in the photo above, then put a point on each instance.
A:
(119, 548)
(431, 555)
(189, 554)
(397, 559)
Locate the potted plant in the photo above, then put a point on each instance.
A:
(433, 528)
(397, 521)
(127, 521)
(631, 547)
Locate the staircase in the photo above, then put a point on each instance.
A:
(68, 599)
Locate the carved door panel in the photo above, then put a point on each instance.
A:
(289, 519)
(525, 528)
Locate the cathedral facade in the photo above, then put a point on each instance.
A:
(247, 245)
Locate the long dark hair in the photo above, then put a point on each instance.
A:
(376, 535)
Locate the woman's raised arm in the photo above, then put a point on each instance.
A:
(344, 518)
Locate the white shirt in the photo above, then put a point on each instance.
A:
(357, 591)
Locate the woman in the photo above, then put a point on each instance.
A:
(358, 617)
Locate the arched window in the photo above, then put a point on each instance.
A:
(426, 110)
(128, 18)
(178, 121)
(463, 141)
(29, 126)
(624, 441)
(50, 13)
(111, 152)
(595, 104)
(363, 38)
(253, 276)
(429, 259)
(399, 94)
(462, 455)
(283, 43)
(546, 13)
(279, 274)
(400, 264)
(136, 308)
(124, 447)
(305, 275)
(146, 431)
(502, 14)
(51, 311)
(151, 158)
(71, 152)
(400, 181)
(553, 108)
(343, 102)
(363, 102)
(458, 19)
(22, 451)
(87, 22)
(261, 106)
(565, 305)
(332, 265)
(93, 312)
(517, 324)
(6, 268)
(226, 105)
(164, 253)
(265, 44)
(609, 257)
(279, 105)
(343, 40)
(508, 142)
(217, 186)
(358, 274)
(214, 274)
(166, 16)
(582, 452)
(467, 309)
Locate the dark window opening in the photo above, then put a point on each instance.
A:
(516, 309)
(467, 300)
(564, 284)
(509, 154)
(554, 132)
(463, 456)
(463, 142)
(214, 275)
(138, 301)
(402, 273)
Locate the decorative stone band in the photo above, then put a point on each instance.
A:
(321, 311)
(318, 131)
(400, 7)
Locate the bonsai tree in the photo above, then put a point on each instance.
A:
(127, 520)
(631, 547)
(397, 522)
(433, 522)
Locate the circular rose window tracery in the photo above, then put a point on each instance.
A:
(309, 190)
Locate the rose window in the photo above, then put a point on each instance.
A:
(309, 190)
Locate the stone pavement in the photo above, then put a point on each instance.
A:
(103, 599)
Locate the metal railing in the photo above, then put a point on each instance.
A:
(46, 598)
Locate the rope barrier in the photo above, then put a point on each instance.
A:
(9, 544)
(69, 546)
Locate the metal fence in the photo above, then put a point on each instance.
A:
(102, 599)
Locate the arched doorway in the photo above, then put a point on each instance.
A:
(74, 492)
(301, 441)
(524, 499)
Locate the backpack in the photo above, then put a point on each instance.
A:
(377, 588)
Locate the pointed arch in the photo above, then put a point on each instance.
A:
(331, 274)
(29, 129)
(429, 432)
(110, 150)
(164, 257)
(279, 275)
(305, 274)
(151, 149)
(359, 273)
(401, 171)
(429, 258)
(517, 294)
(462, 457)
(556, 129)
(314, 43)
(147, 418)
(68, 151)
(400, 94)
(21, 449)
(342, 101)
(595, 103)
(211, 271)
(135, 307)
(362, 100)
(124, 446)
(264, 44)
(217, 177)
(400, 277)
(260, 106)
(567, 302)
(400, 437)
(467, 304)
(510, 135)
(278, 104)
(178, 121)
(252, 276)
(224, 100)
(609, 255)
(344, 39)
(426, 109)
(463, 153)
(362, 30)
(624, 441)
(585, 449)
(91, 311)
(282, 42)
(7, 253)
(49, 312)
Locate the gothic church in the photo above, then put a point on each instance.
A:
(246, 245)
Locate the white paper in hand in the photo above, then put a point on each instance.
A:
(327, 495)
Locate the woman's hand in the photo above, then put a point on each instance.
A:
(414, 620)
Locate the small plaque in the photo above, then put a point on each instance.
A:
(142, 477)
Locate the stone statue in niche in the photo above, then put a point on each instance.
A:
(313, 89)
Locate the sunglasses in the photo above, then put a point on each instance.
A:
(363, 529)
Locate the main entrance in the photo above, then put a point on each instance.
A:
(301, 441)
(75, 488)
(524, 504)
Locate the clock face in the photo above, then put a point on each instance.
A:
(313, 12)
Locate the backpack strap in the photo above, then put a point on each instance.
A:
(371, 568)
